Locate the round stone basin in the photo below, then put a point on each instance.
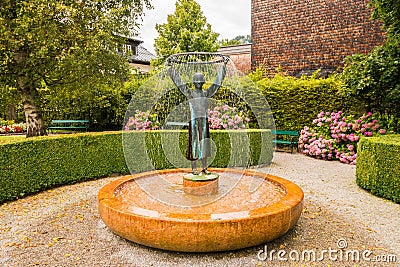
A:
(170, 219)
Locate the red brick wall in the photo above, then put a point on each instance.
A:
(240, 55)
(304, 35)
(242, 62)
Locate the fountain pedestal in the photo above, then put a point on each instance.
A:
(201, 184)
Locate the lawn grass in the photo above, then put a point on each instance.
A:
(6, 139)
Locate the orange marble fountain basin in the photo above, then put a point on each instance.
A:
(233, 219)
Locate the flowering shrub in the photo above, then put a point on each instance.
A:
(143, 120)
(334, 136)
(226, 117)
(10, 126)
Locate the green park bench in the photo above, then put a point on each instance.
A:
(293, 136)
(176, 125)
(69, 125)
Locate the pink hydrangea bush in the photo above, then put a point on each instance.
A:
(226, 117)
(333, 136)
(142, 120)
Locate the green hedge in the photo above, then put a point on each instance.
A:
(378, 166)
(295, 102)
(38, 164)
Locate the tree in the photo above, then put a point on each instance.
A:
(49, 44)
(243, 39)
(229, 42)
(375, 78)
(388, 11)
(238, 40)
(186, 30)
(9, 103)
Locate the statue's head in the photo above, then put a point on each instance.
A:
(198, 79)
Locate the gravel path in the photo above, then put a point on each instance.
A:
(62, 227)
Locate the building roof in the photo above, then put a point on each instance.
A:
(235, 49)
(143, 56)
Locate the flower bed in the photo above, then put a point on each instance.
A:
(333, 136)
(9, 126)
(224, 117)
(143, 120)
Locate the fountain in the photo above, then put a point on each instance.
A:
(182, 209)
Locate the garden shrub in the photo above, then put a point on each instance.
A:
(333, 135)
(224, 117)
(227, 117)
(295, 102)
(378, 168)
(37, 164)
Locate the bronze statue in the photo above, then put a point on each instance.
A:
(198, 147)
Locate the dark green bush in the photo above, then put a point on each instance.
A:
(34, 165)
(374, 79)
(295, 102)
(378, 168)
(38, 164)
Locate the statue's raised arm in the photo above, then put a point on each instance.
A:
(218, 80)
(178, 82)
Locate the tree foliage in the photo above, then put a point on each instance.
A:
(238, 40)
(375, 78)
(387, 11)
(186, 30)
(10, 104)
(229, 42)
(55, 45)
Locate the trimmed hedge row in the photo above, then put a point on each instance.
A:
(38, 164)
(378, 166)
(295, 102)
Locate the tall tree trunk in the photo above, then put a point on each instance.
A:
(29, 95)
(34, 121)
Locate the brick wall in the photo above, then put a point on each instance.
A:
(240, 55)
(304, 35)
(242, 62)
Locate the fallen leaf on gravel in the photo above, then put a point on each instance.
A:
(56, 239)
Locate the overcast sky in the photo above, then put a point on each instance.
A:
(228, 18)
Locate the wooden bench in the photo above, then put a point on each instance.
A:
(69, 125)
(176, 125)
(294, 136)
